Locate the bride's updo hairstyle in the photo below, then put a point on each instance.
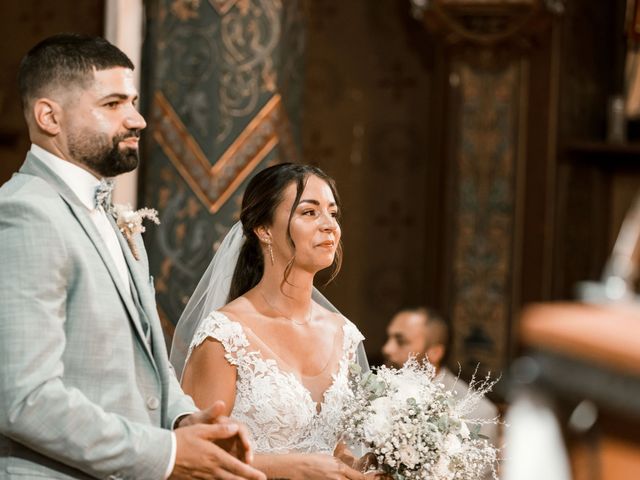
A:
(261, 198)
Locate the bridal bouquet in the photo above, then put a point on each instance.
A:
(415, 427)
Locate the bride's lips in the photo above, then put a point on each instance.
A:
(327, 244)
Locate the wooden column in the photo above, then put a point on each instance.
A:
(495, 99)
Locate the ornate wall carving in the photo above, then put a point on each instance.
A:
(220, 102)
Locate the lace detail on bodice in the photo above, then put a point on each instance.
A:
(276, 407)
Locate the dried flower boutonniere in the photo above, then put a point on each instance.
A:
(130, 223)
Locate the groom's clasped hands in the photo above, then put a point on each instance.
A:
(210, 444)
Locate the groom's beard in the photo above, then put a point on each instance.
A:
(103, 156)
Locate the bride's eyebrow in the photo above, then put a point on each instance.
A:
(315, 202)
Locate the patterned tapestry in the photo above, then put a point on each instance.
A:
(484, 214)
(222, 90)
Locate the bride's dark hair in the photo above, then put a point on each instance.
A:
(261, 198)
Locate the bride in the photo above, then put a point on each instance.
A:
(258, 336)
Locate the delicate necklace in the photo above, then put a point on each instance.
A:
(285, 316)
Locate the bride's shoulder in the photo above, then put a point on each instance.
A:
(240, 312)
(354, 332)
(327, 315)
(237, 309)
(226, 325)
(227, 318)
(339, 320)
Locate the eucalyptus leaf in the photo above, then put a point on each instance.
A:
(355, 369)
(443, 423)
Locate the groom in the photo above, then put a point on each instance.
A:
(85, 385)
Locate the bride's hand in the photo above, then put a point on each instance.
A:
(375, 475)
(368, 463)
(343, 453)
(320, 466)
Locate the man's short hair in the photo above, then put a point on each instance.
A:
(437, 324)
(64, 60)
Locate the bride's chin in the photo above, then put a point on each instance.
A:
(326, 261)
(316, 267)
(315, 263)
(325, 266)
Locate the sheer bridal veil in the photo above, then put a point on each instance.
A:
(212, 293)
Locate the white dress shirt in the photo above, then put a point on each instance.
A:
(84, 184)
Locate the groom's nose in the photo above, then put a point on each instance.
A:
(134, 119)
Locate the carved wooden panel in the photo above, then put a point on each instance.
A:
(221, 105)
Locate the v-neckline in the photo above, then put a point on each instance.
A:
(319, 405)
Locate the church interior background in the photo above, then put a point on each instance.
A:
(472, 142)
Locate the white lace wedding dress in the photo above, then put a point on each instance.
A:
(274, 404)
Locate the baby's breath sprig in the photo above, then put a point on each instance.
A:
(129, 222)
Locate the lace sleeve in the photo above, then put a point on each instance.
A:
(353, 341)
(229, 333)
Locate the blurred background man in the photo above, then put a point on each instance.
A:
(424, 333)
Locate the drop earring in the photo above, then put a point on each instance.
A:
(270, 253)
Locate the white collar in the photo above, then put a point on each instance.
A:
(82, 182)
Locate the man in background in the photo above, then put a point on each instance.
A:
(423, 333)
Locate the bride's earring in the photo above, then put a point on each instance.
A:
(270, 253)
(268, 242)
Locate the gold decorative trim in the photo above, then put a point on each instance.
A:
(222, 6)
(171, 134)
(214, 184)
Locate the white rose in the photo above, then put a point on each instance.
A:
(382, 406)
(452, 444)
(442, 469)
(378, 425)
(406, 391)
(374, 428)
(464, 430)
(407, 377)
(409, 456)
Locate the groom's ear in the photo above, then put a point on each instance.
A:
(46, 114)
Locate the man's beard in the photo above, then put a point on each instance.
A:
(391, 364)
(103, 157)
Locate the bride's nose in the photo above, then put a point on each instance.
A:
(328, 222)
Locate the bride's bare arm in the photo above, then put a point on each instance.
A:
(305, 466)
(209, 377)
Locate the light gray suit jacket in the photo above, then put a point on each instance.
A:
(82, 393)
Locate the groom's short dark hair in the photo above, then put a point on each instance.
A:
(67, 60)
